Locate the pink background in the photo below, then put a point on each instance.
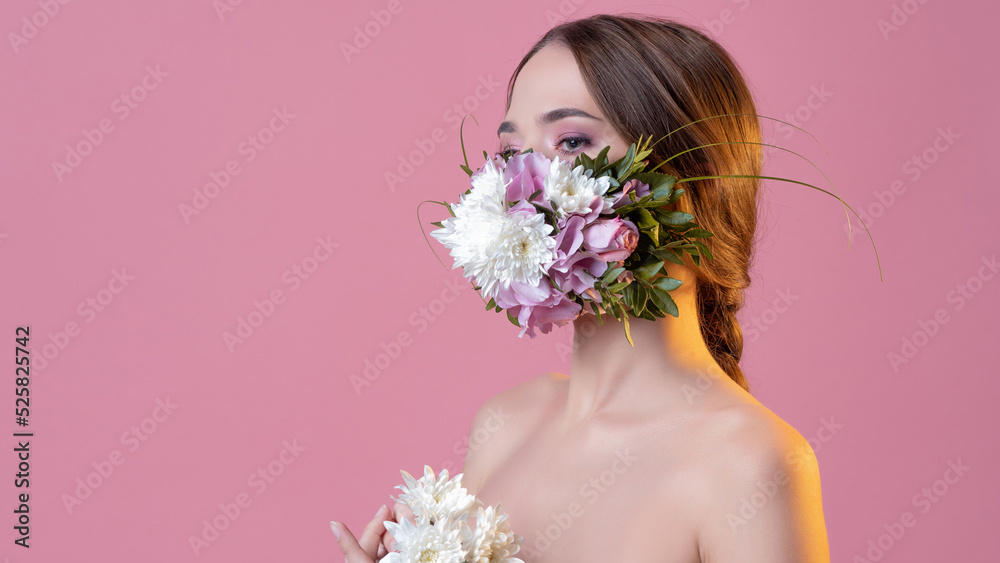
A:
(826, 357)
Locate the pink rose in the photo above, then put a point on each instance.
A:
(611, 239)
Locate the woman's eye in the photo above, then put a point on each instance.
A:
(506, 152)
(573, 144)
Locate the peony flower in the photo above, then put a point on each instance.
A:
(538, 305)
(578, 272)
(611, 239)
(524, 175)
(570, 236)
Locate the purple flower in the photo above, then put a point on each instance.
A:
(578, 272)
(526, 174)
(562, 311)
(540, 305)
(632, 185)
(611, 239)
(570, 235)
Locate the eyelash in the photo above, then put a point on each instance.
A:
(584, 143)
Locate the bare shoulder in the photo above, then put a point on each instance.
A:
(761, 489)
(750, 433)
(501, 424)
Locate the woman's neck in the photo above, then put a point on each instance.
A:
(609, 376)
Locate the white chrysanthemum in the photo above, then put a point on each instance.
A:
(488, 187)
(492, 541)
(572, 190)
(468, 236)
(478, 219)
(433, 499)
(426, 543)
(491, 245)
(521, 250)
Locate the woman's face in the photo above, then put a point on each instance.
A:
(552, 113)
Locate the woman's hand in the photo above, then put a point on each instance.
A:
(375, 540)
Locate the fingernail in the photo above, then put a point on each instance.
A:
(379, 511)
(336, 529)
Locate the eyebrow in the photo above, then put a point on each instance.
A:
(546, 118)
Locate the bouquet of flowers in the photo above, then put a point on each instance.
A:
(545, 239)
(441, 533)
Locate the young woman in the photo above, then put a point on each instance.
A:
(656, 453)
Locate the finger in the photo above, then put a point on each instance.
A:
(348, 545)
(403, 510)
(388, 542)
(381, 552)
(400, 511)
(371, 536)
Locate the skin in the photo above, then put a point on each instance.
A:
(644, 454)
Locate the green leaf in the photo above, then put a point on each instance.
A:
(640, 299)
(646, 313)
(656, 181)
(438, 224)
(542, 209)
(628, 295)
(628, 334)
(626, 162)
(669, 255)
(602, 157)
(491, 304)
(654, 234)
(649, 270)
(615, 288)
(645, 219)
(662, 194)
(668, 283)
(512, 319)
(698, 233)
(612, 275)
(674, 217)
(704, 249)
(666, 303)
(653, 309)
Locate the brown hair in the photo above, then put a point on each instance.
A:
(649, 76)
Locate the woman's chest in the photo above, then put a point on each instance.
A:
(594, 498)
